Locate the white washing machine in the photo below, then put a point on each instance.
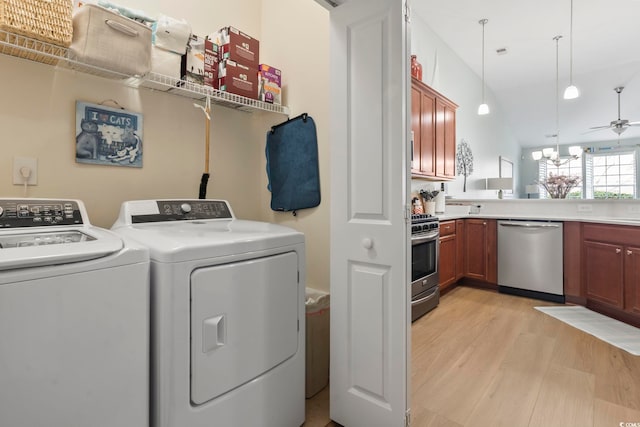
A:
(74, 320)
(227, 304)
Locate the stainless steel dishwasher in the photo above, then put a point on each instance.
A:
(530, 259)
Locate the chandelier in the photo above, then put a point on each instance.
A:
(550, 154)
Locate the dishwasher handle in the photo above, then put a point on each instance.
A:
(529, 225)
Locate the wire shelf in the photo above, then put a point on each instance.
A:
(31, 49)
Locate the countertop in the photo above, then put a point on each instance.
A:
(506, 216)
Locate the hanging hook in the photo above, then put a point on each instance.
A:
(204, 110)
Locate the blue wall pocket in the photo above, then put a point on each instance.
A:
(292, 165)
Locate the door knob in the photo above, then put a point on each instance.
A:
(367, 243)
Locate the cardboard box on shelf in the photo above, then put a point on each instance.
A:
(238, 79)
(211, 60)
(192, 68)
(269, 84)
(238, 46)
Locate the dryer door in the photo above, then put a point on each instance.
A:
(244, 321)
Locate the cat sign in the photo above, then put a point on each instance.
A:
(108, 136)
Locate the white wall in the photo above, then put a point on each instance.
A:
(488, 136)
(298, 41)
(37, 119)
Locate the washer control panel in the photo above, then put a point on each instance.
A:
(180, 210)
(16, 213)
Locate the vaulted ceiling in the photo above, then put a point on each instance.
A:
(606, 54)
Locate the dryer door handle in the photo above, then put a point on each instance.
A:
(214, 333)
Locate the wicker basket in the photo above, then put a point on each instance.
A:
(46, 21)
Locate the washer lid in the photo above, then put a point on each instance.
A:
(46, 246)
(179, 241)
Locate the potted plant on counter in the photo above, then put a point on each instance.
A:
(428, 202)
(559, 186)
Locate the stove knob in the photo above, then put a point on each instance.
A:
(185, 207)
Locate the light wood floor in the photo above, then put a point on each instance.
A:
(488, 359)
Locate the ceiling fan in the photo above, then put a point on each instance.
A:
(620, 125)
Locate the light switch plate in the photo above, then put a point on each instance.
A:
(585, 208)
(29, 162)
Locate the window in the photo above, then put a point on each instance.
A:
(611, 175)
(571, 168)
(608, 175)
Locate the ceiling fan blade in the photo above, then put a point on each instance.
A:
(601, 127)
(598, 129)
(633, 124)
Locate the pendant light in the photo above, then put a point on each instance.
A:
(571, 92)
(550, 154)
(483, 108)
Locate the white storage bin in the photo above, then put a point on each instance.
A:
(105, 39)
(317, 341)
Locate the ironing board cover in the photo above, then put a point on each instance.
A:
(292, 164)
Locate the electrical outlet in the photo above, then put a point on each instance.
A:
(633, 209)
(31, 165)
(585, 208)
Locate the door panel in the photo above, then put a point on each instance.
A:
(370, 270)
(632, 279)
(604, 272)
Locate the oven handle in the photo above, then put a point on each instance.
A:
(421, 238)
(427, 298)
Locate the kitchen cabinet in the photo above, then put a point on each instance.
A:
(480, 255)
(447, 265)
(468, 249)
(572, 262)
(460, 237)
(433, 122)
(611, 268)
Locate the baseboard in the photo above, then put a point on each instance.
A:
(531, 294)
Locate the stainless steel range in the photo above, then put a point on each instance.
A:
(425, 293)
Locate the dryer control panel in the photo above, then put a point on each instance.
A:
(17, 213)
(179, 210)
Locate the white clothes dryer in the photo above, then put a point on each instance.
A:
(74, 319)
(227, 303)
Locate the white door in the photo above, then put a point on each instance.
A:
(370, 308)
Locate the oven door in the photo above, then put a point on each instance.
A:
(424, 262)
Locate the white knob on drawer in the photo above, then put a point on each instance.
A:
(367, 243)
(618, 250)
(629, 252)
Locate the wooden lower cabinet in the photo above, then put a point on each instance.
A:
(632, 280)
(480, 255)
(448, 254)
(611, 270)
(460, 236)
(468, 249)
(604, 272)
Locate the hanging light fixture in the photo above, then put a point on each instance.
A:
(571, 92)
(483, 108)
(550, 154)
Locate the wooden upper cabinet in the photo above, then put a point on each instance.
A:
(416, 114)
(449, 142)
(433, 122)
(427, 135)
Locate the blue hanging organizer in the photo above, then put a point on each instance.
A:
(292, 165)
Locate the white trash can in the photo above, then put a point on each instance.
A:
(317, 341)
